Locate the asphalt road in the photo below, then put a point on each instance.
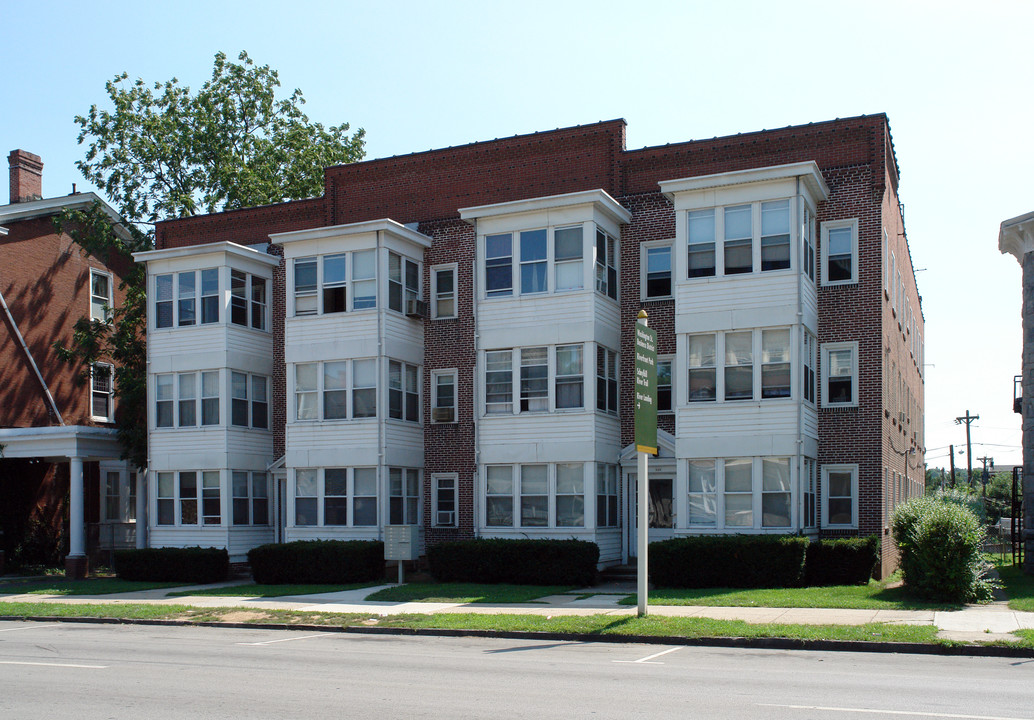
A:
(103, 671)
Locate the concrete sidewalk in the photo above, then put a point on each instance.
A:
(974, 623)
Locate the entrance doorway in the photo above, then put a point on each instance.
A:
(660, 510)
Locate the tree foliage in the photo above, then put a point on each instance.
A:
(162, 151)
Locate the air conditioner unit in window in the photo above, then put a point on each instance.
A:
(416, 308)
(446, 518)
(443, 414)
(901, 417)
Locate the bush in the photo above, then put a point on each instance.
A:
(190, 565)
(962, 498)
(324, 562)
(940, 541)
(521, 562)
(844, 561)
(728, 561)
(42, 545)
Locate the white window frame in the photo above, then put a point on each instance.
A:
(436, 489)
(251, 306)
(551, 380)
(849, 224)
(606, 478)
(109, 300)
(848, 467)
(644, 270)
(348, 283)
(516, 495)
(109, 393)
(124, 497)
(321, 497)
(404, 373)
(177, 499)
(436, 296)
(824, 388)
(255, 479)
(757, 494)
(436, 401)
(410, 502)
(405, 290)
(349, 390)
(550, 261)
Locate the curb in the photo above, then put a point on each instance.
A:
(726, 642)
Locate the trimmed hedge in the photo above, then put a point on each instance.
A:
(324, 562)
(843, 561)
(728, 561)
(196, 565)
(519, 561)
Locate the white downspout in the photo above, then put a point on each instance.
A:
(382, 393)
(32, 362)
(801, 204)
(478, 390)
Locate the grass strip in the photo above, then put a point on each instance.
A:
(255, 590)
(1018, 586)
(466, 593)
(89, 586)
(874, 596)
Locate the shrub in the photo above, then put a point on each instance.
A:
(330, 562)
(521, 561)
(843, 561)
(962, 498)
(191, 565)
(42, 544)
(940, 543)
(728, 561)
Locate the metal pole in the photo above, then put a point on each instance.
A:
(643, 493)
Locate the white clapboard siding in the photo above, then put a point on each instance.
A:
(811, 421)
(243, 539)
(609, 541)
(559, 437)
(332, 444)
(189, 448)
(188, 536)
(728, 303)
(724, 429)
(608, 438)
(537, 320)
(331, 337)
(249, 350)
(405, 444)
(403, 338)
(187, 348)
(608, 322)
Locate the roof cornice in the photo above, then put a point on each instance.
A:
(1016, 236)
(599, 198)
(387, 225)
(54, 206)
(217, 248)
(808, 172)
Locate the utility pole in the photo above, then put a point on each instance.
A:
(951, 455)
(968, 419)
(983, 475)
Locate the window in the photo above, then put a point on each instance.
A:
(533, 262)
(335, 284)
(840, 252)
(210, 398)
(808, 510)
(259, 402)
(840, 374)
(102, 392)
(534, 495)
(893, 283)
(498, 382)
(664, 394)
(403, 496)
(211, 510)
(701, 243)
(250, 498)
(335, 496)
(567, 256)
(656, 263)
(606, 380)
(775, 363)
(187, 400)
(570, 495)
(164, 391)
(775, 235)
(738, 247)
(163, 301)
(808, 245)
(569, 385)
(739, 487)
(131, 498)
(534, 379)
(341, 382)
(607, 496)
(840, 491)
(775, 492)
(188, 498)
(499, 265)
(702, 494)
(258, 302)
(808, 362)
(101, 300)
(443, 399)
(185, 307)
(112, 497)
(209, 296)
(305, 286)
(321, 285)
(364, 279)
(364, 388)
(739, 366)
(606, 265)
(444, 487)
(499, 496)
(886, 264)
(403, 281)
(239, 399)
(249, 410)
(306, 497)
(702, 368)
(346, 496)
(443, 292)
(238, 297)
(166, 498)
(403, 391)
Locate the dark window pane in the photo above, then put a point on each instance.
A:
(334, 300)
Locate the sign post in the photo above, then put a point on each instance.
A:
(645, 440)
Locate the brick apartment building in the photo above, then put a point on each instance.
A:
(442, 340)
(59, 457)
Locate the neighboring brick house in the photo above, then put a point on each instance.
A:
(441, 339)
(59, 458)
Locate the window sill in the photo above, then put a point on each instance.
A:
(840, 283)
(840, 406)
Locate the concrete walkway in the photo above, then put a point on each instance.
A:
(973, 623)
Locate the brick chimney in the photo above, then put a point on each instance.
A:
(26, 176)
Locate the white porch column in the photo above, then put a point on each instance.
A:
(141, 508)
(75, 564)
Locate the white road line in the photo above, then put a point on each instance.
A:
(29, 627)
(64, 665)
(873, 711)
(290, 639)
(646, 660)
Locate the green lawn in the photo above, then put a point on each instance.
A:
(1018, 586)
(874, 596)
(89, 586)
(254, 590)
(466, 593)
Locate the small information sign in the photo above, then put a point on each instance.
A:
(645, 389)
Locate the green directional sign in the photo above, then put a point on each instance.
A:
(645, 389)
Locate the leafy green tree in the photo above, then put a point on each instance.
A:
(162, 151)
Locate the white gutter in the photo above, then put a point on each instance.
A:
(32, 362)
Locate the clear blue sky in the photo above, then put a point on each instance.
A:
(955, 81)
